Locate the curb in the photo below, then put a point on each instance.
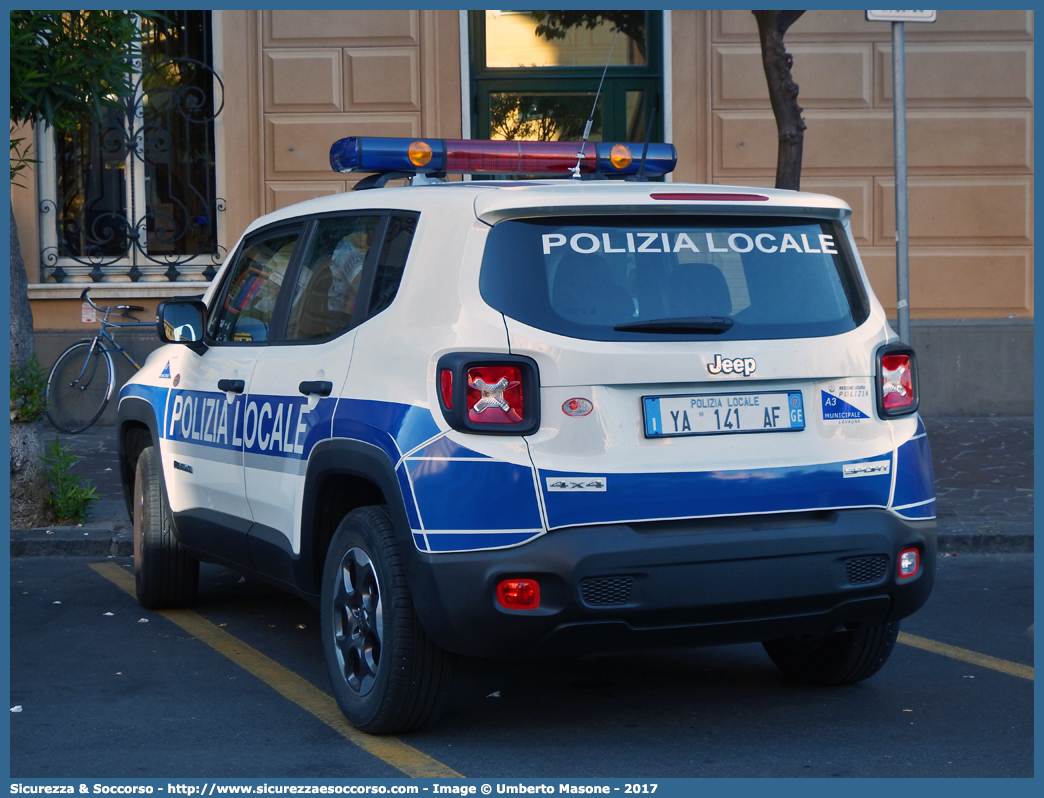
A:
(109, 540)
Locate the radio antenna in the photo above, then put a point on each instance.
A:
(590, 120)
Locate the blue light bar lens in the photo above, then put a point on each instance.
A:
(344, 155)
(375, 154)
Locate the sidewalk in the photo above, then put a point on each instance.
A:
(983, 481)
(108, 529)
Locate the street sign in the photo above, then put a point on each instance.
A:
(900, 16)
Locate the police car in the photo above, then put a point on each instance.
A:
(528, 417)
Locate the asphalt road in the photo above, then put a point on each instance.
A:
(132, 694)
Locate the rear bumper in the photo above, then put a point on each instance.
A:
(619, 587)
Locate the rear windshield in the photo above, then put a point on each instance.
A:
(642, 278)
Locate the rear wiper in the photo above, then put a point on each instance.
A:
(688, 324)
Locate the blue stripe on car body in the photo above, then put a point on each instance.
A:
(689, 494)
(258, 424)
(396, 428)
(457, 499)
(157, 397)
(474, 494)
(914, 465)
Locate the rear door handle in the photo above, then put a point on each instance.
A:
(235, 386)
(317, 387)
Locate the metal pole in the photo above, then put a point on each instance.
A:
(902, 237)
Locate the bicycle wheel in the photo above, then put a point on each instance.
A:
(78, 387)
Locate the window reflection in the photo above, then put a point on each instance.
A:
(545, 116)
(512, 40)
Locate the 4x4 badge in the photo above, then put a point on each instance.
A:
(736, 365)
(575, 484)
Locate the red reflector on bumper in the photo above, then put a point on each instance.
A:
(909, 563)
(519, 594)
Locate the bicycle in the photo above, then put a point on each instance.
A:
(82, 379)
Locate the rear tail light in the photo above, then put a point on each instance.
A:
(491, 394)
(896, 382)
(519, 594)
(495, 395)
(909, 563)
(446, 388)
(897, 393)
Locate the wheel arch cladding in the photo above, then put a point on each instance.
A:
(137, 427)
(344, 474)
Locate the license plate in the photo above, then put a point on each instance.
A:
(723, 413)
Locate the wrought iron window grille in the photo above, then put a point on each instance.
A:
(135, 198)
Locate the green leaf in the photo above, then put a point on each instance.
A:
(70, 500)
(64, 65)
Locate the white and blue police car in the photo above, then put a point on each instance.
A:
(523, 417)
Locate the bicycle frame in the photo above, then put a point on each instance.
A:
(103, 336)
(104, 341)
(71, 377)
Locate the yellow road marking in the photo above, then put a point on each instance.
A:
(971, 657)
(288, 684)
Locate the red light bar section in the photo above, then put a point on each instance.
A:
(516, 157)
(711, 197)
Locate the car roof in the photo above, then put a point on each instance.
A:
(495, 200)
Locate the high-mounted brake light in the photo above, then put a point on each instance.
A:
(897, 393)
(427, 156)
(677, 196)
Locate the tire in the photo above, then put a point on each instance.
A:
(165, 575)
(387, 676)
(77, 395)
(834, 659)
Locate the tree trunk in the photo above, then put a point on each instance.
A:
(29, 488)
(783, 92)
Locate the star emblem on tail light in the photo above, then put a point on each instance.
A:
(893, 380)
(492, 395)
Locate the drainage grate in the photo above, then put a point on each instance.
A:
(606, 589)
(861, 570)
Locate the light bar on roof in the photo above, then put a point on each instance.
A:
(474, 156)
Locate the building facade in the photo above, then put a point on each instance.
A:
(259, 96)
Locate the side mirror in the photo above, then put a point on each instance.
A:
(181, 321)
